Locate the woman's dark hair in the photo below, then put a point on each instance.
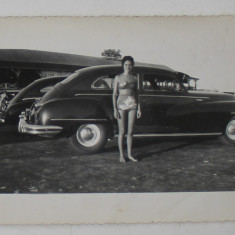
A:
(129, 58)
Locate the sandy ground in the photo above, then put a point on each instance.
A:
(30, 164)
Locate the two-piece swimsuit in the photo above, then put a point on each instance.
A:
(127, 95)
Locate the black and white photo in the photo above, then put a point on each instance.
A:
(59, 129)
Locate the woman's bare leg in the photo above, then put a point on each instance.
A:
(121, 135)
(131, 123)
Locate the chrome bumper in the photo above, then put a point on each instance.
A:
(24, 127)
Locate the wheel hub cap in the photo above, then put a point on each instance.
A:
(88, 135)
(230, 130)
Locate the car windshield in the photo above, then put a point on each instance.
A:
(189, 83)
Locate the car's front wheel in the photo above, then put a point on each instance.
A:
(229, 133)
(89, 138)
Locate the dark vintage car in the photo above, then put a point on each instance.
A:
(80, 107)
(11, 109)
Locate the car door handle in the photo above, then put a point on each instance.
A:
(199, 100)
(144, 100)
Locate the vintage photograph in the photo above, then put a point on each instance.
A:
(117, 119)
(117, 105)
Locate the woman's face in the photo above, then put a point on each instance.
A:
(127, 66)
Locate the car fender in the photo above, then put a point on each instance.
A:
(13, 111)
(74, 110)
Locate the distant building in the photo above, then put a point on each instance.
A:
(112, 54)
(19, 67)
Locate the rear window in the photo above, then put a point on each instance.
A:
(104, 82)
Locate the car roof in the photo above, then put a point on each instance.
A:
(88, 73)
(41, 81)
(118, 67)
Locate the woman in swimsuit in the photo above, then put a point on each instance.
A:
(126, 105)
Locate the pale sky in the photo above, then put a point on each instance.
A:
(202, 47)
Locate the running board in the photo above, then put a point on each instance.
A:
(176, 134)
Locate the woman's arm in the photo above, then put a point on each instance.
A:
(115, 95)
(138, 98)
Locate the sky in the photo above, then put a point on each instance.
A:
(202, 47)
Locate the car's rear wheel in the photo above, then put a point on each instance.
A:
(229, 133)
(89, 138)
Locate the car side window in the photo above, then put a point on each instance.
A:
(154, 82)
(104, 82)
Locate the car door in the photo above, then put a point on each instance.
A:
(160, 94)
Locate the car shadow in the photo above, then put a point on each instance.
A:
(169, 149)
(158, 143)
(187, 141)
(137, 143)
